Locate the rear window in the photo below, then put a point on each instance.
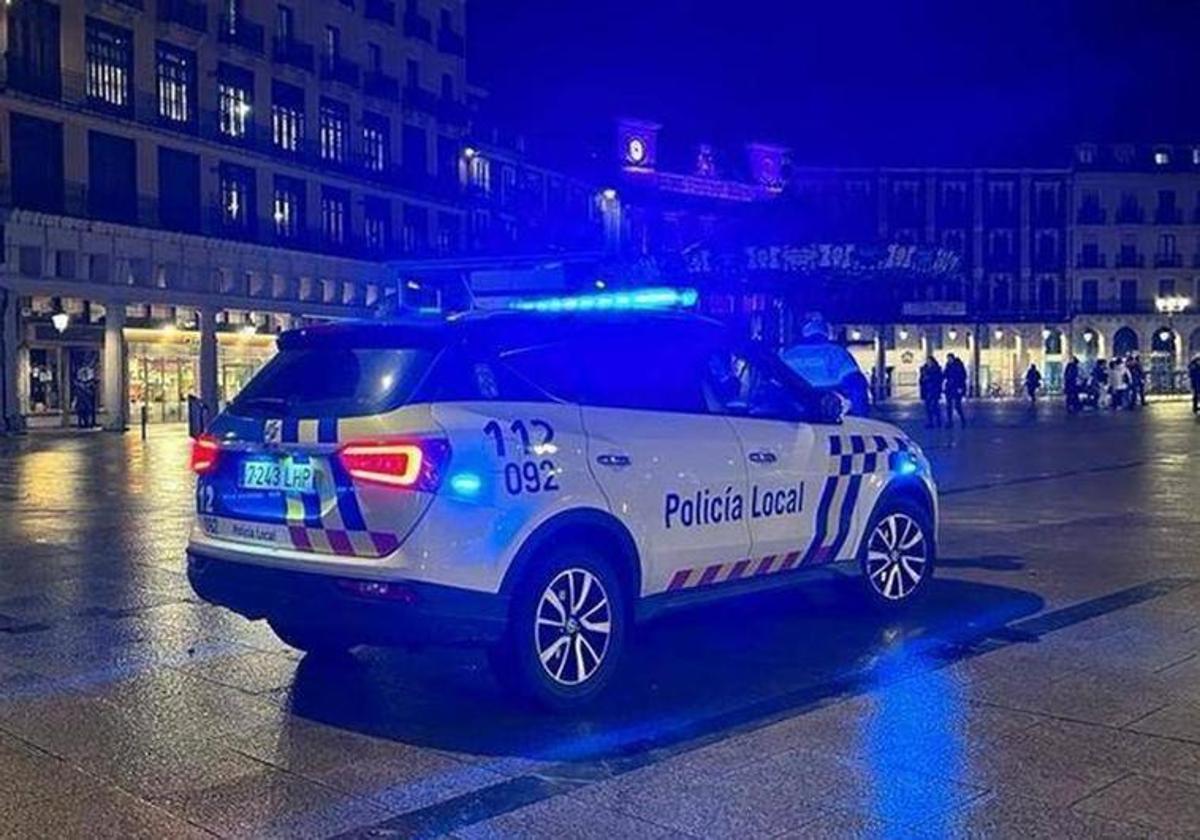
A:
(337, 381)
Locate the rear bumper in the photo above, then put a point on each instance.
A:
(412, 613)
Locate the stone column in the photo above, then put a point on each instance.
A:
(880, 365)
(208, 360)
(976, 362)
(116, 397)
(11, 419)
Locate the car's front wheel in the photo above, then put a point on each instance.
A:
(898, 554)
(566, 630)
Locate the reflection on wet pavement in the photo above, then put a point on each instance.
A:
(1048, 686)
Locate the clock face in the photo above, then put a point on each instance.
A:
(635, 150)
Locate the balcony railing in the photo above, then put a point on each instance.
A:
(1086, 260)
(1130, 215)
(417, 98)
(335, 68)
(451, 42)
(1168, 260)
(1168, 216)
(1090, 215)
(293, 53)
(187, 13)
(240, 32)
(1127, 259)
(382, 11)
(381, 85)
(418, 27)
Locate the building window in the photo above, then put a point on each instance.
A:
(176, 73)
(376, 223)
(447, 86)
(335, 215)
(237, 197)
(375, 141)
(288, 208)
(1089, 292)
(109, 65)
(333, 43)
(285, 23)
(1166, 287)
(287, 116)
(412, 73)
(235, 100)
(1162, 157)
(375, 58)
(335, 129)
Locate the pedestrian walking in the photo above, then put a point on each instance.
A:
(930, 386)
(956, 388)
(1137, 381)
(1194, 376)
(1072, 384)
(1118, 384)
(1033, 382)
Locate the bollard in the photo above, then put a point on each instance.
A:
(145, 419)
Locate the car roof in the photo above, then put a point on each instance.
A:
(498, 327)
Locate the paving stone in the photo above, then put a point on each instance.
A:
(1161, 804)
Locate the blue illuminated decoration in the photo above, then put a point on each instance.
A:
(654, 298)
(466, 484)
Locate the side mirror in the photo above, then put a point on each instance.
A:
(197, 414)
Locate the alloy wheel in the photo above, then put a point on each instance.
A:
(573, 626)
(897, 556)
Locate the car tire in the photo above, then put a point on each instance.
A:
(898, 553)
(312, 639)
(566, 630)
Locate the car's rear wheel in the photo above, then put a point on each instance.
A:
(312, 639)
(566, 631)
(898, 553)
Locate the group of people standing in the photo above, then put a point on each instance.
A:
(1118, 383)
(950, 380)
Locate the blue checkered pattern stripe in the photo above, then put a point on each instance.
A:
(862, 454)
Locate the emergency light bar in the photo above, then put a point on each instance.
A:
(655, 298)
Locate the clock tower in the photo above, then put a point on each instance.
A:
(637, 144)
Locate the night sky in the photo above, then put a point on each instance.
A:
(844, 82)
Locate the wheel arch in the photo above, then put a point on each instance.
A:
(591, 526)
(911, 489)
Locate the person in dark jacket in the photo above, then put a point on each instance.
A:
(931, 391)
(1137, 381)
(1194, 377)
(956, 389)
(1072, 384)
(1033, 382)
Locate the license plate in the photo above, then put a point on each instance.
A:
(278, 475)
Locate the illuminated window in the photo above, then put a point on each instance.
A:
(235, 100)
(237, 197)
(176, 70)
(335, 128)
(375, 141)
(335, 215)
(1161, 158)
(109, 65)
(287, 116)
(288, 208)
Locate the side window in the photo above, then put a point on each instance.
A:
(463, 376)
(745, 384)
(639, 375)
(538, 373)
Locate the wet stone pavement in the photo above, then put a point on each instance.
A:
(1049, 687)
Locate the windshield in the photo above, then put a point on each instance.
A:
(337, 381)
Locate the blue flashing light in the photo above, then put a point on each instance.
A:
(654, 298)
(905, 463)
(466, 484)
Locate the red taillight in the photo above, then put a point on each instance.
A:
(205, 450)
(396, 463)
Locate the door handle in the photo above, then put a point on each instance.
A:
(613, 459)
(762, 457)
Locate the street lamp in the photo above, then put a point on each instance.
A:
(608, 194)
(60, 320)
(1172, 304)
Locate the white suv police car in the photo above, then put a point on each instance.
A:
(536, 483)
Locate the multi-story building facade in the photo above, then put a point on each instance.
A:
(1135, 258)
(180, 179)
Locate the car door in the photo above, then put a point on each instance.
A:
(800, 509)
(671, 470)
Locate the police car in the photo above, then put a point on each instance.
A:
(536, 482)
